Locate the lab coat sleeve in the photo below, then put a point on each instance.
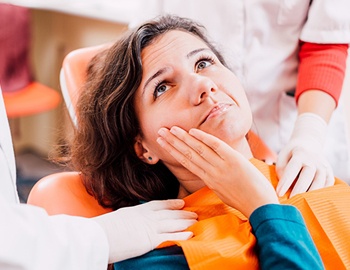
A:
(328, 21)
(8, 190)
(30, 239)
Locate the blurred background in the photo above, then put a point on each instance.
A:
(52, 33)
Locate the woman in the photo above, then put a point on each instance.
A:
(291, 56)
(145, 98)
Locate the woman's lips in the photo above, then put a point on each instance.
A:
(217, 110)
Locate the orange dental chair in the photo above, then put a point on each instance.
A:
(64, 193)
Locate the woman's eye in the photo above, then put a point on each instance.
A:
(202, 64)
(160, 89)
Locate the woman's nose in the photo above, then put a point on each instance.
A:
(201, 88)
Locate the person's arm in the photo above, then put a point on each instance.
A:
(30, 239)
(321, 69)
(283, 241)
(320, 79)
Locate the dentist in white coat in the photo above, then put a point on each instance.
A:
(262, 39)
(30, 239)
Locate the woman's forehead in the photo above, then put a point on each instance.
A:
(171, 45)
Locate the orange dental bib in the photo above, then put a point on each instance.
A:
(223, 237)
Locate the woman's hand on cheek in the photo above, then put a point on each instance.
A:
(228, 173)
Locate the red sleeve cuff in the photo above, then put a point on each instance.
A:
(322, 67)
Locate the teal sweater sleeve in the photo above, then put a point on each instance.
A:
(283, 241)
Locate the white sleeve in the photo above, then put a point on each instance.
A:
(328, 22)
(8, 189)
(30, 239)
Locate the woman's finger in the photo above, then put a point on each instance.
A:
(183, 153)
(205, 152)
(222, 149)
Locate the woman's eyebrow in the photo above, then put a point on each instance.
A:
(190, 54)
(155, 75)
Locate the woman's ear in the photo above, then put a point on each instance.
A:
(143, 153)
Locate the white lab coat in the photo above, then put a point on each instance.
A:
(259, 39)
(29, 238)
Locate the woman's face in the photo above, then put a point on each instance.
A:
(184, 84)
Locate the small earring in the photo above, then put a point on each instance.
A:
(149, 158)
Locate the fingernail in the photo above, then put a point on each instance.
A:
(161, 132)
(174, 130)
(160, 141)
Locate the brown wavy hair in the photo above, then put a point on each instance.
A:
(103, 145)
